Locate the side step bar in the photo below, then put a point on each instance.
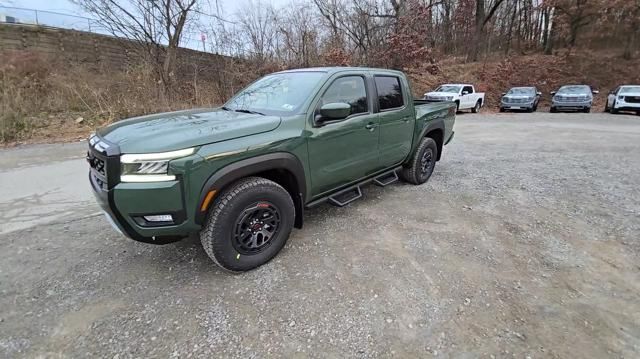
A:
(345, 197)
(386, 179)
(349, 194)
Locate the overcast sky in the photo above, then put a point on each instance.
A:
(67, 7)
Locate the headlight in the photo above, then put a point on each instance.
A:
(150, 167)
(621, 98)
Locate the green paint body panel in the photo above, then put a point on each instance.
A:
(332, 156)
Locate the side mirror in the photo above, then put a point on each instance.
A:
(595, 92)
(552, 92)
(335, 111)
(538, 93)
(465, 93)
(504, 93)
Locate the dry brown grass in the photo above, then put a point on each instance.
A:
(42, 97)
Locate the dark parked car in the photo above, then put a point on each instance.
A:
(573, 98)
(520, 98)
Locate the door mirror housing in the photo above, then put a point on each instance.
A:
(595, 92)
(538, 93)
(552, 92)
(504, 93)
(334, 111)
(465, 93)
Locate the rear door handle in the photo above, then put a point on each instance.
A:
(370, 126)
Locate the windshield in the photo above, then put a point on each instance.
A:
(578, 89)
(448, 88)
(629, 89)
(524, 91)
(278, 94)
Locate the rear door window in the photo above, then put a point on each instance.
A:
(389, 92)
(348, 89)
(468, 89)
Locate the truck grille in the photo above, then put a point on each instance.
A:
(572, 98)
(98, 170)
(632, 99)
(435, 98)
(516, 100)
(103, 164)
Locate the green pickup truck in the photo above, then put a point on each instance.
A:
(241, 175)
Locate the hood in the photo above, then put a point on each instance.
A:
(182, 129)
(440, 94)
(519, 96)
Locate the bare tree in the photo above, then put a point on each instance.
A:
(156, 26)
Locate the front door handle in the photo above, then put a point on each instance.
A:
(370, 126)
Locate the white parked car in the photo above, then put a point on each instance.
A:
(464, 95)
(624, 98)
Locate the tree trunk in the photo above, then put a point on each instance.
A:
(478, 38)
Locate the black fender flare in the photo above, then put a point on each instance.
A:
(254, 165)
(435, 125)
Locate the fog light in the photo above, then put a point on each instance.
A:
(159, 218)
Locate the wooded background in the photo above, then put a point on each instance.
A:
(494, 44)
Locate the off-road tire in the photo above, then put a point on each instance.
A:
(553, 110)
(413, 173)
(587, 110)
(477, 107)
(217, 235)
(613, 110)
(457, 106)
(606, 106)
(502, 109)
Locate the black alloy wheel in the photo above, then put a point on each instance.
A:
(255, 227)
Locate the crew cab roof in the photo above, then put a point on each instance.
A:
(335, 69)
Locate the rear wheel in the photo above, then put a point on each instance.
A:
(248, 224)
(477, 107)
(422, 164)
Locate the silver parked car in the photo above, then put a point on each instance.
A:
(520, 98)
(573, 98)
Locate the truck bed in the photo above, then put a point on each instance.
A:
(424, 107)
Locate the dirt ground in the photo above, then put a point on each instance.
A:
(525, 243)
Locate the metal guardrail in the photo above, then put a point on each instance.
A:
(18, 15)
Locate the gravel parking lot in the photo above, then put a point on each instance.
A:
(524, 243)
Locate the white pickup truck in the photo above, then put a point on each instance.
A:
(464, 95)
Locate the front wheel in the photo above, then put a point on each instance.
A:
(422, 164)
(587, 110)
(613, 110)
(248, 224)
(476, 108)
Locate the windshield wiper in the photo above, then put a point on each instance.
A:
(249, 111)
(226, 108)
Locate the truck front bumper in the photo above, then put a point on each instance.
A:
(571, 106)
(128, 205)
(626, 106)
